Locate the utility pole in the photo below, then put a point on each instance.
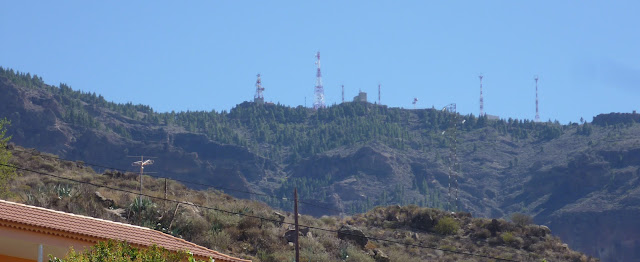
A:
(295, 211)
(142, 163)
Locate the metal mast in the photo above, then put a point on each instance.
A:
(378, 93)
(258, 96)
(415, 101)
(142, 163)
(537, 112)
(319, 89)
(342, 93)
(481, 98)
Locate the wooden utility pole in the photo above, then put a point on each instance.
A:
(295, 211)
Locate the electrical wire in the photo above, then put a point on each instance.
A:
(253, 216)
(189, 182)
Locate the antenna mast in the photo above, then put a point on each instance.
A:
(415, 101)
(142, 163)
(481, 97)
(342, 93)
(379, 94)
(537, 112)
(258, 97)
(319, 89)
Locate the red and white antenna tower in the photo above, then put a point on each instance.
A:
(378, 93)
(258, 96)
(319, 89)
(481, 97)
(342, 93)
(537, 112)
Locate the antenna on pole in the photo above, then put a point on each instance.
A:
(319, 89)
(537, 111)
(481, 97)
(415, 101)
(342, 93)
(258, 98)
(379, 94)
(141, 164)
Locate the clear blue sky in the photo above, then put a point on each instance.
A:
(204, 55)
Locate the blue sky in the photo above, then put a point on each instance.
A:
(204, 55)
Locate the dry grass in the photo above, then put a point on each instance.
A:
(262, 240)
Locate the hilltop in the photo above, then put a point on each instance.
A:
(252, 230)
(355, 156)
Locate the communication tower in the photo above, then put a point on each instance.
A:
(537, 111)
(481, 97)
(342, 93)
(319, 89)
(258, 98)
(415, 101)
(379, 94)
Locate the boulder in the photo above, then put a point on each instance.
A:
(106, 202)
(351, 233)
(380, 256)
(279, 217)
(423, 220)
(290, 235)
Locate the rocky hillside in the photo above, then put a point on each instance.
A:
(352, 157)
(252, 230)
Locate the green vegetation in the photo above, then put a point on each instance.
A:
(285, 133)
(112, 251)
(521, 219)
(6, 173)
(447, 226)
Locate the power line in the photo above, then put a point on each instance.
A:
(253, 216)
(191, 182)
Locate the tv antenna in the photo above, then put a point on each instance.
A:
(142, 163)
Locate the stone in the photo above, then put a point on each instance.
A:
(380, 256)
(106, 202)
(351, 233)
(280, 218)
(290, 236)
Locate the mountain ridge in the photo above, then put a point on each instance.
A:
(355, 156)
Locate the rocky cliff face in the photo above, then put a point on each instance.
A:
(584, 187)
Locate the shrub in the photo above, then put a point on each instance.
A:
(521, 219)
(354, 254)
(482, 233)
(507, 237)
(511, 240)
(447, 226)
(112, 251)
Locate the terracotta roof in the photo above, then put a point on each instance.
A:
(90, 227)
